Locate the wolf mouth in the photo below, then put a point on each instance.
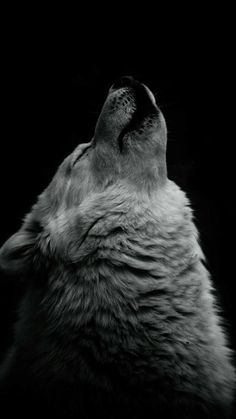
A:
(138, 119)
(146, 108)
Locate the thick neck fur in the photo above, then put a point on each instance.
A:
(126, 252)
(129, 296)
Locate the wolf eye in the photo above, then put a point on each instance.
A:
(77, 159)
(80, 154)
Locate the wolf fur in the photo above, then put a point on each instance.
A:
(119, 318)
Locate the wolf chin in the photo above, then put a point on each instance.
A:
(119, 318)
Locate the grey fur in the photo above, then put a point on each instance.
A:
(120, 316)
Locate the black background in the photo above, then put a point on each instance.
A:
(52, 93)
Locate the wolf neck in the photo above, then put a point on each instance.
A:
(135, 232)
(130, 257)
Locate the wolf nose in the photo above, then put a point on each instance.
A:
(125, 81)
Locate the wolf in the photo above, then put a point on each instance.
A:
(119, 318)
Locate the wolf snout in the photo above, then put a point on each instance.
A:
(142, 94)
(128, 105)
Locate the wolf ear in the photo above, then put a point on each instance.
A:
(16, 253)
